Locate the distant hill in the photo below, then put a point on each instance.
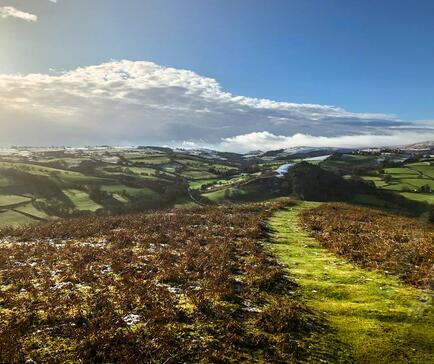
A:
(423, 146)
(301, 152)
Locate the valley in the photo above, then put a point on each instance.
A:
(42, 184)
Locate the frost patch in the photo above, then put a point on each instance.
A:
(132, 319)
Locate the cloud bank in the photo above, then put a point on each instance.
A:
(11, 12)
(268, 141)
(126, 102)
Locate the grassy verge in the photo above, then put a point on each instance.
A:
(373, 317)
(373, 238)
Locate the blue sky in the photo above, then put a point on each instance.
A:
(361, 56)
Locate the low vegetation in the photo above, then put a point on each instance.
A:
(180, 286)
(372, 317)
(395, 244)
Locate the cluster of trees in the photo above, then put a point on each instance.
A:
(313, 183)
(425, 189)
(224, 173)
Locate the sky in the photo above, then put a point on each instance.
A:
(234, 75)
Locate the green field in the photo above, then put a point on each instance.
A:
(130, 191)
(6, 200)
(12, 218)
(423, 167)
(4, 182)
(197, 184)
(225, 195)
(220, 183)
(377, 180)
(143, 171)
(400, 171)
(153, 160)
(193, 174)
(32, 210)
(81, 200)
(123, 177)
(409, 180)
(421, 197)
(121, 180)
(55, 173)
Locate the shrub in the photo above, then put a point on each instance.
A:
(372, 238)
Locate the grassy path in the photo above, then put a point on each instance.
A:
(372, 318)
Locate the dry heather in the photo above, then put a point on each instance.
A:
(395, 244)
(183, 286)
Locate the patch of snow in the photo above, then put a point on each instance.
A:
(320, 158)
(105, 269)
(62, 285)
(132, 319)
(283, 169)
(248, 307)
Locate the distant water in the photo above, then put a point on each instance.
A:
(283, 169)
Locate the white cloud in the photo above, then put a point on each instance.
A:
(11, 12)
(125, 102)
(267, 141)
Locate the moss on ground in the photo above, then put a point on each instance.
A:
(371, 317)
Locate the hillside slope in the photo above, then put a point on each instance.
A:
(179, 286)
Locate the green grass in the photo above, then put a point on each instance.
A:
(198, 175)
(408, 180)
(419, 182)
(142, 170)
(359, 157)
(30, 209)
(225, 195)
(197, 184)
(398, 176)
(35, 169)
(377, 180)
(6, 200)
(372, 318)
(78, 178)
(222, 167)
(81, 200)
(194, 163)
(153, 160)
(218, 196)
(67, 176)
(369, 200)
(398, 186)
(408, 184)
(400, 170)
(421, 197)
(12, 218)
(4, 182)
(130, 191)
(120, 198)
(425, 168)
